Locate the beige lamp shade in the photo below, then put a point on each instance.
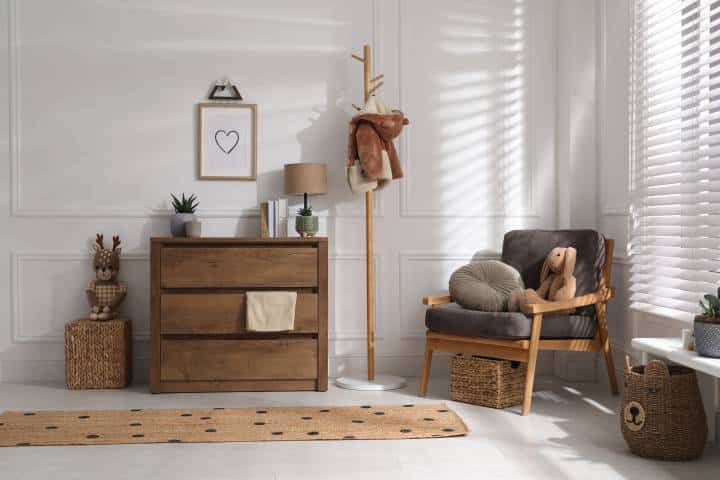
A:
(301, 178)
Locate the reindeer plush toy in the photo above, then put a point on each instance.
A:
(106, 293)
(557, 281)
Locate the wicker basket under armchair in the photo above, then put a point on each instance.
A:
(519, 336)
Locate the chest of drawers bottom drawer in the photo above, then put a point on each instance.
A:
(210, 360)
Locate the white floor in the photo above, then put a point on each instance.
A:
(573, 432)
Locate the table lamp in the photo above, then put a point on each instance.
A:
(305, 179)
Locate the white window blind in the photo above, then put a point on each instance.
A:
(675, 154)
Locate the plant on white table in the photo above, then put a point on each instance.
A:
(707, 327)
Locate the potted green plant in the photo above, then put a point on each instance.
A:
(707, 327)
(305, 224)
(184, 212)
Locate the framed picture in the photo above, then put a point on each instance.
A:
(227, 141)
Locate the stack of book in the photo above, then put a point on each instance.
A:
(274, 218)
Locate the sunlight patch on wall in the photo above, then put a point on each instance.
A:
(470, 120)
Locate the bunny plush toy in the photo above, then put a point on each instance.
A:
(557, 281)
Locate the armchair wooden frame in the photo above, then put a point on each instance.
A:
(527, 350)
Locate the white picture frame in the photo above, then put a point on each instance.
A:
(227, 141)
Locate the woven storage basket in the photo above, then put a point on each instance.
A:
(662, 414)
(487, 381)
(97, 354)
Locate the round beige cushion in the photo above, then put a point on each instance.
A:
(485, 285)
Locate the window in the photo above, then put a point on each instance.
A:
(675, 154)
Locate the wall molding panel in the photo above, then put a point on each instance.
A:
(15, 137)
(608, 174)
(405, 142)
(19, 321)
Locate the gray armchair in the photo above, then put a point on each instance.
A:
(519, 336)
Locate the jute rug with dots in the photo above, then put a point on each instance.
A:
(106, 427)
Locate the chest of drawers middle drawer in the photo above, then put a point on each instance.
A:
(224, 313)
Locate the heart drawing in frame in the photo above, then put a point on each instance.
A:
(226, 136)
(227, 140)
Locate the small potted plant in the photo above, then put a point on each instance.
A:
(707, 327)
(184, 212)
(305, 224)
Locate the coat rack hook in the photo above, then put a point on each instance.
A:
(358, 58)
(372, 90)
(379, 77)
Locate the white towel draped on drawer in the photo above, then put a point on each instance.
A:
(271, 311)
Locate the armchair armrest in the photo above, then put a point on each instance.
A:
(602, 295)
(432, 300)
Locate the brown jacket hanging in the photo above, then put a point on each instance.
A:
(370, 134)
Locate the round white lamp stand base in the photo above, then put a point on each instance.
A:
(381, 382)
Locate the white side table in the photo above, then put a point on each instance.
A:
(671, 349)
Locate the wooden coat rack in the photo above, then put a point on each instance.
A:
(381, 382)
(369, 89)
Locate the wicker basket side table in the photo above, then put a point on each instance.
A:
(98, 354)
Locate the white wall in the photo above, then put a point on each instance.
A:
(100, 130)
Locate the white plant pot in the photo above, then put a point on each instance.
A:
(177, 223)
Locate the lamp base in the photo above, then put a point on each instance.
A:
(381, 382)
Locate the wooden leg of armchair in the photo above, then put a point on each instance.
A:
(607, 350)
(425, 376)
(532, 362)
(601, 311)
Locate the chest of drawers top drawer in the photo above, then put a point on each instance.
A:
(238, 266)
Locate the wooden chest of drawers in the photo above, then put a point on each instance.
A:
(198, 337)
